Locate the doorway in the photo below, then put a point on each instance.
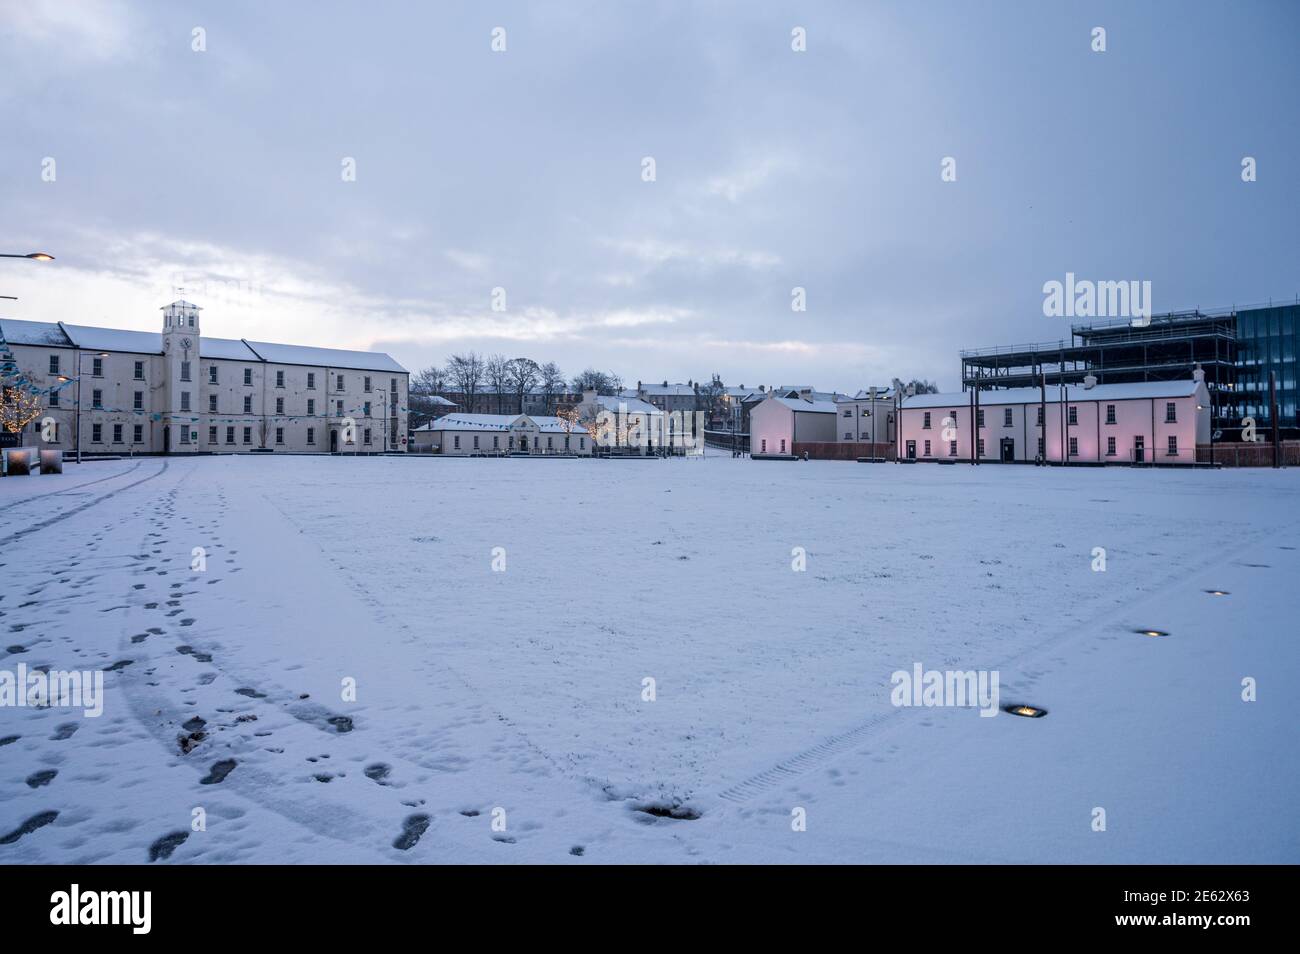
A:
(911, 450)
(1139, 450)
(334, 442)
(1008, 450)
(167, 440)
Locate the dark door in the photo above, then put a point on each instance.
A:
(1008, 450)
(334, 442)
(167, 440)
(911, 450)
(1139, 450)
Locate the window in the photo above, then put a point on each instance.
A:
(1041, 452)
(248, 377)
(1110, 447)
(496, 442)
(338, 405)
(311, 380)
(927, 449)
(1110, 413)
(476, 442)
(279, 435)
(535, 442)
(279, 405)
(185, 400)
(366, 384)
(764, 448)
(340, 383)
(185, 433)
(1072, 415)
(311, 435)
(952, 448)
(979, 417)
(311, 406)
(979, 447)
(1039, 421)
(97, 367)
(54, 399)
(367, 414)
(1074, 447)
(866, 412)
(230, 435)
(212, 404)
(1171, 413)
(548, 444)
(848, 412)
(1006, 417)
(97, 398)
(212, 374)
(455, 442)
(137, 401)
(367, 435)
(137, 434)
(279, 379)
(248, 435)
(97, 433)
(139, 370)
(185, 370)
(582, 443)
(783, 445)
(212, 434)
(54, 435)
(54, 364)
(848, 435)
(1173, 446)
(566, 441)
(248, 404)
(925, 424)
(117, 433)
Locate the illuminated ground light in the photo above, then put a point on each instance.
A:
(1150, 632)
(1217, 592)
(1029, 712)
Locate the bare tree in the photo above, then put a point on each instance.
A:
(552, 383)
(497, 371)
(524, 375)
(465, 371)
(426, 385)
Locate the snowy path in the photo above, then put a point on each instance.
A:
(522, 690)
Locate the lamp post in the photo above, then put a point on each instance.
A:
(80, 357)
(34, 256)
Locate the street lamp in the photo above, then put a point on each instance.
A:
(34, 256)
(61, 377)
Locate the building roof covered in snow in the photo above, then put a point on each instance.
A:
(668, 390)
(1137, 390)
(802, 406)
(325, 357)
(630, 405)
(17, 331)
(499, 422)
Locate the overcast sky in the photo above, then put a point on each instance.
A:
(221, 171)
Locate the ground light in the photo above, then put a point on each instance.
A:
(1029, 712)
(1151, 632)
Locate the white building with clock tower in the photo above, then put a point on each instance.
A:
(178, 392)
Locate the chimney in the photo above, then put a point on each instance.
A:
(1089, 382)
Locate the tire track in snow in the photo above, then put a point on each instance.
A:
(810, 758)
(68, 490)
(64, 515)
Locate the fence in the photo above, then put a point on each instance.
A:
(843, 450)
(1241, 454)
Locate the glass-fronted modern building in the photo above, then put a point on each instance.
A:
(1235, 347)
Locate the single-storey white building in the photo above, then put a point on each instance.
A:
(776, 424)
(1146, 422)
(476, 435)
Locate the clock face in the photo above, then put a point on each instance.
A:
(167, 344)
(186, 342)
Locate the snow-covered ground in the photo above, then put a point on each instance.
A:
(517, 695)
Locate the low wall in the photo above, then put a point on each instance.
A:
(1241, 454)
(843, 450)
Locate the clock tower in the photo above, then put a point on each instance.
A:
(180, 405)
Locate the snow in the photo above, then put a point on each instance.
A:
(231, 349)
(815, 407)
(325, 357)
(48, 333)
(522, 689)
(1101, 392)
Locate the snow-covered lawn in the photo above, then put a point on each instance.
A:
(517, 695)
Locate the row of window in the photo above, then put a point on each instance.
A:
(137, 403)
(137, 435)
(1171, 447)
(496, 442)
(1072, 415)
(97, 371)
